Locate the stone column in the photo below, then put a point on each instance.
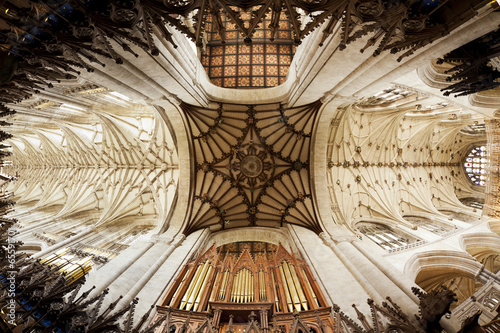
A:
(398, 279)
(152, 270)
(348, 263)
(113, 269)
(380, 282)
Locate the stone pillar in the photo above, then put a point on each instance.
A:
(154, 281)
(113, 269)
(398, 279)
(380, 282)
(71, 240)
(485, 276)
(348, 263)
(152, 270)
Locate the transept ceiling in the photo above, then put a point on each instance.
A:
(252, 166)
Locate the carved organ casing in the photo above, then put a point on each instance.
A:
(235, 281)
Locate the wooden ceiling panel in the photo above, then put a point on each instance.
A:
(252, 166)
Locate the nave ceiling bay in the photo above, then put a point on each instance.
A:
(109, 165)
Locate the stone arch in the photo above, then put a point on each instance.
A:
(31, 247)
(256, 234)
(449, 261)
(453, 269)
(485, 248)
(169, 112)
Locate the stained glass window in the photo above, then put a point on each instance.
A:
(475, 165)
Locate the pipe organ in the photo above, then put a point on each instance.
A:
(69, 264)
(239, 278)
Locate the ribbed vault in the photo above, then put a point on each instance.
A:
(252, 166)
(116, 166)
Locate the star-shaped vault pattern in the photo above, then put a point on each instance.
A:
(252, 166)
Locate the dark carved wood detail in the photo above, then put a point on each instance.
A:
(52, 40)
(473, 71)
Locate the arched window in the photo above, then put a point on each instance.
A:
(475, 165)
(385, 237)
(472, 202)
(428, 224)
(467, 218)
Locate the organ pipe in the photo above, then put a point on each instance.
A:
(250, 287)
(311, 290)
(296, 281)
(202, 287)
(197, 287)
(262, 287)
(243, 287)
(289, 286)
(276, 299)
(241, 290)
(218, 281)
(190, 287)
(287, 291)
(223, 287)
(194, 287)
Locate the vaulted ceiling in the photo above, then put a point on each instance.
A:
(252, 166)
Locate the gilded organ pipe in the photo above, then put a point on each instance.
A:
(201, 278)
(223, 287)
(238, 287)
(287, 291)
(310, 288)
(218, 281)
(252, 288)
(243, 291)
(234, 287)
(298, 286)
(188, 298)
(190, 287)
(248, 291)
(291, 286)
(262, 285)
(202, 287)
(287, 283)
(276, 299)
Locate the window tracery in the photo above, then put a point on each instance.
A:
(476, 164)
(428, 224)
(385, 237)
(476, 203)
